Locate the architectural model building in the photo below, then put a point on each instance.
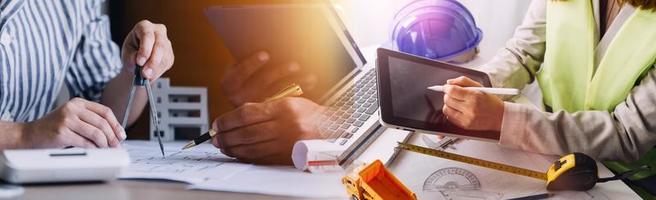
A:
(182, 111)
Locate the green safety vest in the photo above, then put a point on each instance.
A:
(570, 80)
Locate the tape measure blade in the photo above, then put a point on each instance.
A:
(473, 161)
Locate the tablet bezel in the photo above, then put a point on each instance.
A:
(385, 98)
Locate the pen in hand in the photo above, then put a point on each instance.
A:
(205, 137)
(291, 91)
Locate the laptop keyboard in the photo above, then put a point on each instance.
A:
(351, 110)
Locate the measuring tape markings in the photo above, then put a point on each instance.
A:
(474, 161)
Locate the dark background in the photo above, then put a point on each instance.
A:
(196, 46)
(200, 55)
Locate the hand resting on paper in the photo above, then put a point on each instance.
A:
(79, 123)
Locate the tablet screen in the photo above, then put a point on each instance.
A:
(310, 34)
(410, 95)
(406, 102)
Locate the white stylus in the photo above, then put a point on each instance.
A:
(497, 91)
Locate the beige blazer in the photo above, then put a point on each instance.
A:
(625, 134)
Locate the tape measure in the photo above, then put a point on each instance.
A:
(474, 161)
(575, 171)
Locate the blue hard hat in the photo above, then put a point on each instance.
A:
(435, 29)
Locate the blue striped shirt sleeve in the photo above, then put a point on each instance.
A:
(97, 58)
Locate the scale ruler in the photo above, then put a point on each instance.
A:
(473, 161)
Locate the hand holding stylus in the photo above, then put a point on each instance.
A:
(472, 109)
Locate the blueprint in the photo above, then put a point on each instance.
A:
(191, 166)
(204, 167)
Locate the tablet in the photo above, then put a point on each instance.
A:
(311, 34)
(405, 101)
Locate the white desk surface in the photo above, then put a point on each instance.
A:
(410, 168)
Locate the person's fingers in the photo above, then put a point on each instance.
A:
(225, 152)
(107, 114)
(145, 34)
(254, 152)
(455, 103)
(237, 76)
(73, 139)
(248, 135)
(264, 82)
(215, 142)
(102, 124)
(218, 144)
(463, 81)
(273, 74)
(310, 82)
(90, 132)
(247, 114)
(154, 68)
(460, 93)
(453, 115)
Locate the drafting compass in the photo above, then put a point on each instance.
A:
(138, 81)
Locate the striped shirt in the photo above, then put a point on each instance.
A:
(47, 43)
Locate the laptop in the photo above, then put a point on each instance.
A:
(349, 90)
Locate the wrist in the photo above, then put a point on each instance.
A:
(23, 139)
(495, 120)
(514, 126)
(499, 122)
(14, 135)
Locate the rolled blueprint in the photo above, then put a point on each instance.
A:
(316, 155)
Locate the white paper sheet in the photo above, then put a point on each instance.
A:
(283, 181)
(191, 166)
(204, 167)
